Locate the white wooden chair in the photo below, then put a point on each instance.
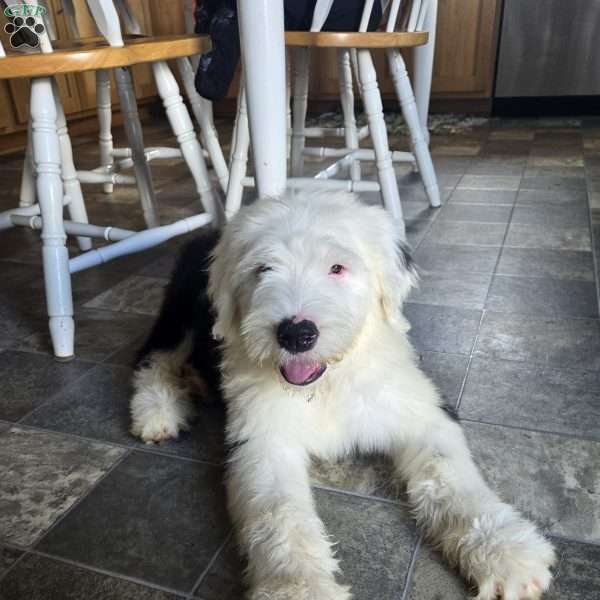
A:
(201, 108)
(354, 56)
(106, 17)
(56, 182)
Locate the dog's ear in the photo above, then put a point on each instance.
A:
(220, 289)
(397, 276)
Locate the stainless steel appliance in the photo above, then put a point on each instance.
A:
(549, 48)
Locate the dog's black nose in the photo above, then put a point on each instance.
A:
(297, 337)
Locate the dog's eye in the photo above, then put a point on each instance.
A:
(263, 269)
(336, 269)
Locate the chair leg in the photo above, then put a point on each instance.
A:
(411, 116)
(374, 111)
(105, 140)
(27, 191)
(347, 98)
(301, 75)
(239, 157)
(423, 66)
(46, 154)
(182, 126)
(133, 131)
(203, 111)
(72, 187)
(288, 101)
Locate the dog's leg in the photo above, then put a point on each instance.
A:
(289, 555)
(490, 542)
(160, 406)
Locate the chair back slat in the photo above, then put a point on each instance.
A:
(107, 20)
(320, 14)
(69, 10)
(393, 16)
(425, 7)
(366, 15)
(44, 37)
(404, 15)
(132, 25)
(413, 18)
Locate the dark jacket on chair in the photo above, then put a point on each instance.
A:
(218, 18)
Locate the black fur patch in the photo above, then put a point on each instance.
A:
(450, 411)
(405, 255)
(186, 309)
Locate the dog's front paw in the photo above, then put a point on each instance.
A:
(293, 589)
(156, 422)
(156, 428)
(507, 557)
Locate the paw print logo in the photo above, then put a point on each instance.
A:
(24, 32)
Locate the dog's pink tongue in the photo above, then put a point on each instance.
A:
(298, 371)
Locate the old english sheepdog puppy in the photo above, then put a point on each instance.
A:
(313, 359)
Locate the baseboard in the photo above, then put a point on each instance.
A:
(547, 106)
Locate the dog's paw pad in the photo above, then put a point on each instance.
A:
(511, 590)
(520, 580)
(508, 558)
(156, 429)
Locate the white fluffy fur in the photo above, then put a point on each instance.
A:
(372, 397)
(161, 406)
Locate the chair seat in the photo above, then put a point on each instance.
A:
(93, 54)
(371, 39)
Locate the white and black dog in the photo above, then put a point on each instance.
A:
(314, 359)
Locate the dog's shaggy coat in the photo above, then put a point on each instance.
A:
(307, 294)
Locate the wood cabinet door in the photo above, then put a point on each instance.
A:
(465, 50)
(167, 17)
(7, 115)
(85, 82)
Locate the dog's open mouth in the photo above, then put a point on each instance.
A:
(300, 372)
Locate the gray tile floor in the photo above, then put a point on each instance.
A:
(505, 321)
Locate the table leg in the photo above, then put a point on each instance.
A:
(263, 56)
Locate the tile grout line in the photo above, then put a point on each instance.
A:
(573, 540)
(59, 392)
(571, 436)
(545, 278)
(325, 488)
(469, 361)
(569, 369)
(437, 213)
(116, 444)
(411, 568)
(77, 502)
(595, 257)
(13, 566)
(106, 572)
(484, 309)
(210, 564)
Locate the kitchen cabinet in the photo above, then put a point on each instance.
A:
(466, 48)
(465, 55)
